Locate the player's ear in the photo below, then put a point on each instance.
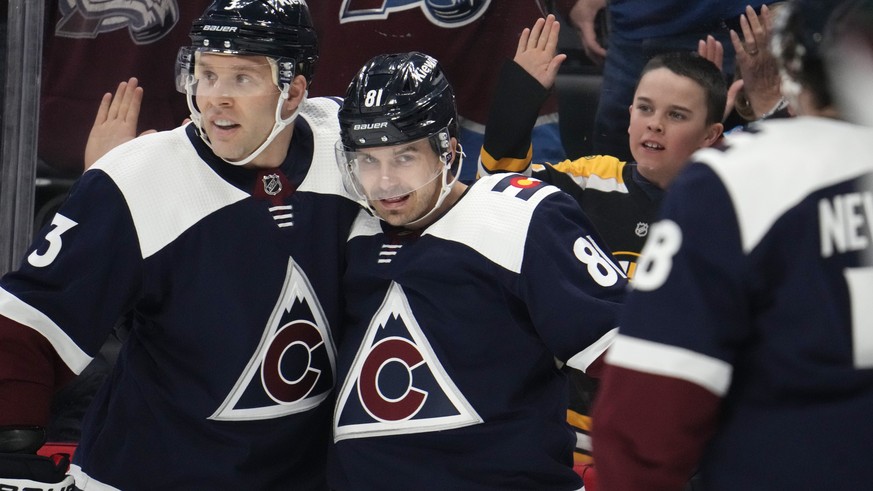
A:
(296, 92)
(454, 146)
(713, 133)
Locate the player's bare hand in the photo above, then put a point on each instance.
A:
(536, 51)
(755, 64)
(582, 16)
(116, 120)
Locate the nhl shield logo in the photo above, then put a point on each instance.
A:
(642, 229)
(272, 184)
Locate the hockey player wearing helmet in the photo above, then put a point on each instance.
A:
(246, 52)
(745, 346)
(224, 241)
(435, 392)
(399, 146)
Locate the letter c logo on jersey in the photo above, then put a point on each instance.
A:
(300, 338)
(292, 369)
(443, 13)
(382, 355)
(397, 384)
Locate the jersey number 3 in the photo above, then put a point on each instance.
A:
(53, 237)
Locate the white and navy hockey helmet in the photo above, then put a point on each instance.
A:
(398, 99)
(278, 29)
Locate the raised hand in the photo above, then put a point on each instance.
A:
(536, 51)
(755, 64)
(116, 120)
(712, 49)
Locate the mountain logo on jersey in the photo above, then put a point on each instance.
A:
(293, 368)
(145, 20)
(443, 13)
(396, 384)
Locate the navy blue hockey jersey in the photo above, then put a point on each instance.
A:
(620, 203)
(616, 198)
(233, 276)
(747, 344)
(447, 362)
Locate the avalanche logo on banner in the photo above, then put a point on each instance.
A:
(396, 385)
(293, 368)
(146, 21)
(443, 13)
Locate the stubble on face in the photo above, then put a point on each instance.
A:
(236, 124)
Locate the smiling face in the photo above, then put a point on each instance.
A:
(237, 98)
(402, 182)
(667, 124)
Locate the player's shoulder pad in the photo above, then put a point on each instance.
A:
(163, 165)
(126, 157)
(166, 185)
(324, 175)
(503, 186)
(327, 106)
(365, 225)
(778, 163)
(495, 216)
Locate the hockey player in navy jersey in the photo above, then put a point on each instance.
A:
(677, 109)
(225, 240)
(746, 346)
(459, 300)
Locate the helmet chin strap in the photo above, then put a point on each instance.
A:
(446, 186)
(278, 126)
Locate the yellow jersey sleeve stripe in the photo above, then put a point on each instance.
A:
(489, 165)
